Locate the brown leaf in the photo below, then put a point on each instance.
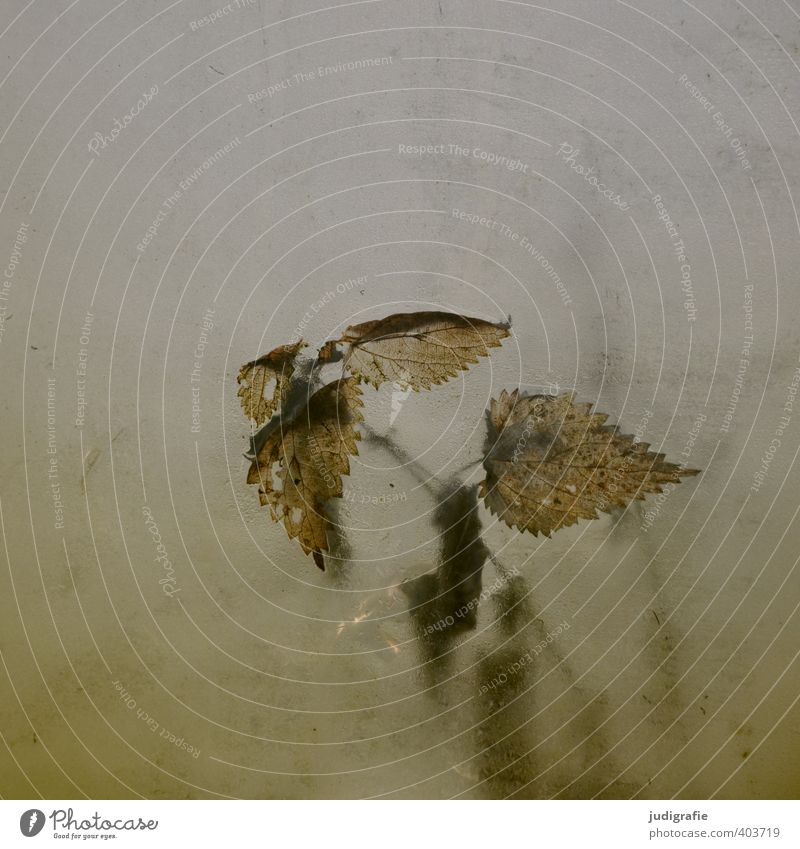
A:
(553, 461)
(263, 383)
(301, 463)
(416, 350)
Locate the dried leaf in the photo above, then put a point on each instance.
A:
(263, 383)
(301, 463)
(553, 461)
(415, 350)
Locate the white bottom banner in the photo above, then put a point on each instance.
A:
(351, 824)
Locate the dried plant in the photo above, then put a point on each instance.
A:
(549, 461)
